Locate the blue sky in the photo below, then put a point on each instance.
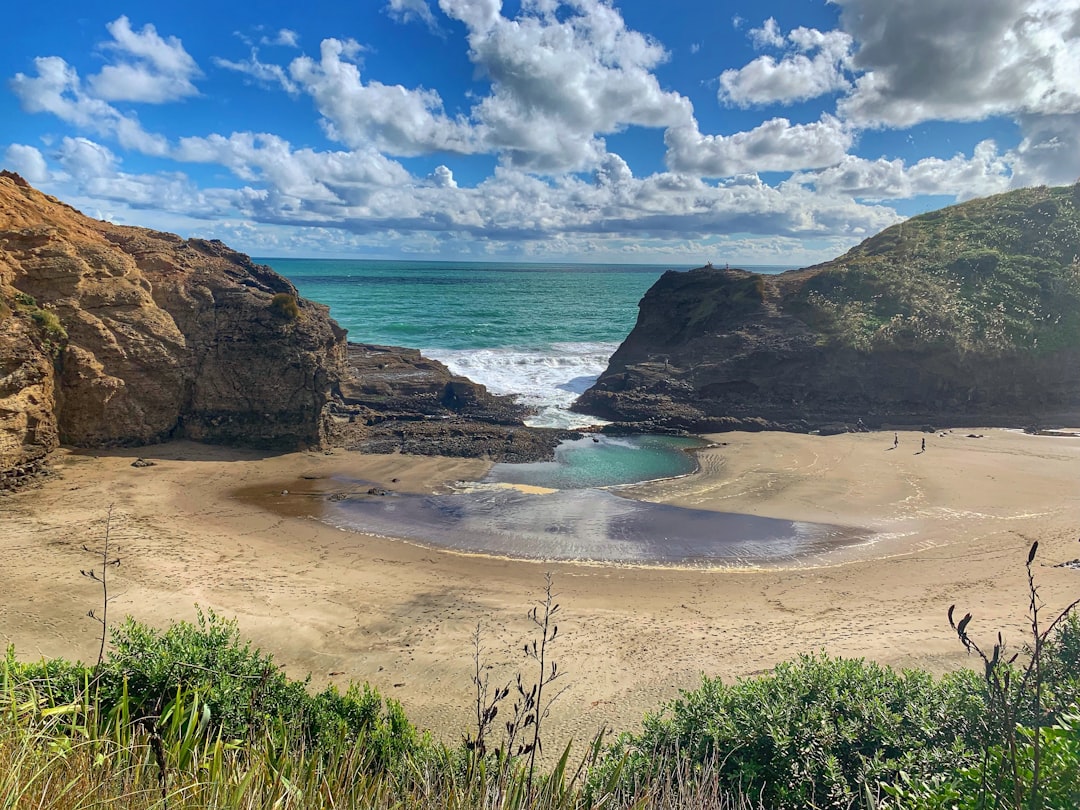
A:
(766, 132)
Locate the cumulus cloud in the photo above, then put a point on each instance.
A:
(768, 36)
(391, 118)
(777, 145)
(943, 60)
(559, 81)
(814, 65)
(57, 89)
(26, 161)
(151, 69)
(442, 177)
(985, 172)
(304, 174)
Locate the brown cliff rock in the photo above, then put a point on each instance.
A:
(113, 335)
(120, 336)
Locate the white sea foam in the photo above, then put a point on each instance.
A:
(548, 380)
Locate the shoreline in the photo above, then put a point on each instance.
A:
(957, 522)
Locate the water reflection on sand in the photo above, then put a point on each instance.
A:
(584, 524)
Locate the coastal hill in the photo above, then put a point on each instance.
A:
(120, 336)
(969, 315)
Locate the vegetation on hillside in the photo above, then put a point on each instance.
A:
(52, 332)
(991, 275)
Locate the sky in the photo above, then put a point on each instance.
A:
(639, 131)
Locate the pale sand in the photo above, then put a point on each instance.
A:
(957, 521)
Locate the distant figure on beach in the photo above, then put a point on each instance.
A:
(923, 446)
(896, 440)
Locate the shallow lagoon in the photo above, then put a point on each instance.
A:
(560, 510)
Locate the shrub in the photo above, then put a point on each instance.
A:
(967, 788)
(817, 732)
(246, 694)
(285, 305)
(50, 325)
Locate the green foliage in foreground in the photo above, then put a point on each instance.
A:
(194, 716)
(989, 783)
(242, 689)
(816, 732)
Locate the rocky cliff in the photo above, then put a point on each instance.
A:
(965, 316)
(113, 335)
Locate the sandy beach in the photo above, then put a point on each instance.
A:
(952, 524)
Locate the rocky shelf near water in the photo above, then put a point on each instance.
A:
(122, 336)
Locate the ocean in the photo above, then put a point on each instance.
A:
(541, 331)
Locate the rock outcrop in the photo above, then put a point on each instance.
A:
(397, 400)
(965, 316)
(113, 335)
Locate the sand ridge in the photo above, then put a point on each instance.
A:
(952, 524)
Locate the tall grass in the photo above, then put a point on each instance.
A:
(74, 755)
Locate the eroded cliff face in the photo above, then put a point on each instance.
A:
(113, 335)
(965, 316)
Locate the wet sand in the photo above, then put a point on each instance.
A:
(525, 522)
(952, 524)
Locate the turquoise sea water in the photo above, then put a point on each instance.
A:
(541, 331)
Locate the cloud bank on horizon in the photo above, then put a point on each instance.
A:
(605, 130)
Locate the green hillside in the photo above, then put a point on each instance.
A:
(990, 275)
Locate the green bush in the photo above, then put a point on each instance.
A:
(245, 692)
(991, 785)
(817, 732)
(285, 305)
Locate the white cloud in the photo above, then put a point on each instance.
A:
(815, 65)
(87, 160)
(985, 172)
(1050, 151)
(390, 118)
(478, 15)
(260, 71)
(954, 61)
(409, 10)
(776, 145)
(561, 81)
(285, 37)
(153, 70)
(768, 36)
(57, 89)
(304, 174)
(442, 177)
(26, 161)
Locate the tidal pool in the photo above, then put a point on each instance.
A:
(604, 461)
(561, 510)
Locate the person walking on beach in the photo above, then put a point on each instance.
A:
(895, 440)
(923, 445)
